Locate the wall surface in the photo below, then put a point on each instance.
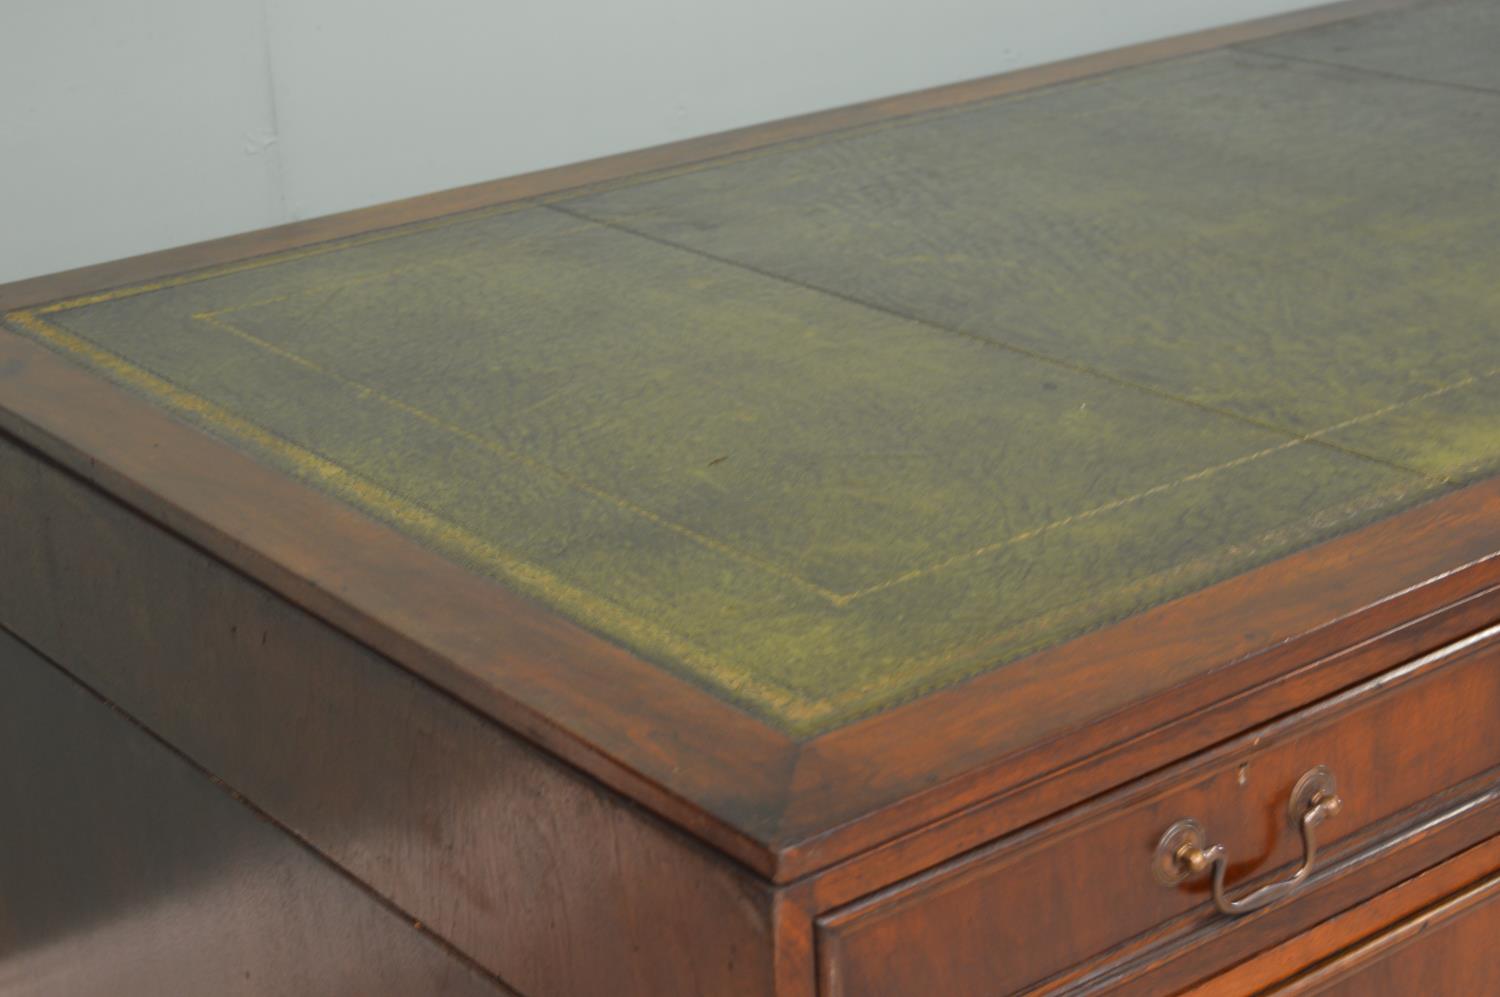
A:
(128, 127)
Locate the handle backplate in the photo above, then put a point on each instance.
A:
(1184, 852)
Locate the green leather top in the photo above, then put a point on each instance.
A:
(827, 425)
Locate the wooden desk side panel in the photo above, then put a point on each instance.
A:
(541, 876)
(124, 871)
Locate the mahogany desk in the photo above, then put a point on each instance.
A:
(913, 549)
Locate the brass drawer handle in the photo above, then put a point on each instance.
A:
(1184, 852)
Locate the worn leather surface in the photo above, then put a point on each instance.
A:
(828, 425)
(1450, 41)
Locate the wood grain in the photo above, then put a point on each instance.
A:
(126, 871)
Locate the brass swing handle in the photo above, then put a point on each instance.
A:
(1184, 852)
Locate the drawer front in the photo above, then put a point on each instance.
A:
(1341, 949)
(1025, 909)
(1447, 950)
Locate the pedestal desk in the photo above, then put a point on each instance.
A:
(1037, 535)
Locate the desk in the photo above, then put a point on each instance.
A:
(822, 558)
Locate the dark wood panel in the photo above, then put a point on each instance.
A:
(124, 870)
(541, 876)
(1019, 911)
(1447, 950)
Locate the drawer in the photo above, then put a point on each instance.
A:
(1448, 948)
(125, 870)
(1011, 915)
(1433, 933)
